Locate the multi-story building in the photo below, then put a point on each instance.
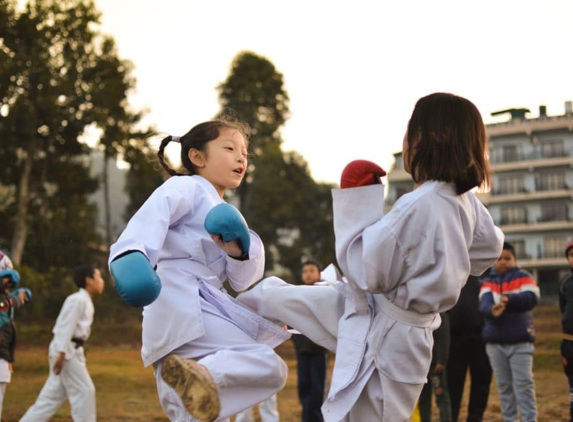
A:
(531, 195)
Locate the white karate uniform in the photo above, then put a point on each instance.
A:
(194, 316)
(73, 382)
(402, 270)
(267, 410)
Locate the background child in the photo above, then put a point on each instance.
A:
(402, 269)
(212, 357)
(9, 278)
(69, 377)
(507, 296)
(467, 352)
(437, 376)
(311, 361)
(566, 307)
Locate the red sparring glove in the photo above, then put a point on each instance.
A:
(361, 173)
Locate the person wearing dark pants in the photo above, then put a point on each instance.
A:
(437, 378)
(566, 308)
(312, 361)
(467, 352)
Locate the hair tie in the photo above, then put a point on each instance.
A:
(176, 138)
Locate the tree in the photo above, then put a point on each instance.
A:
(280, 201)
(58, 76)
(254, 90)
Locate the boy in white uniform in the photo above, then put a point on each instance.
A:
(69, 377)
(402, 269)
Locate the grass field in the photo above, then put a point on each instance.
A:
(126, 390)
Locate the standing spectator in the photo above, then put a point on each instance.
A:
(566, 307)
(9, 301)
(311, 360)
(467, 351)
(507, 297)
(437, 378)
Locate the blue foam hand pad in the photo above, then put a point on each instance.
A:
(226, 221)
(13, 275)
(135, 280)
(28, 293)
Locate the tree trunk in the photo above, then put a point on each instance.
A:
(21, 218)
(107, 206)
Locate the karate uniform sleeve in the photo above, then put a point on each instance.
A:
(355, 211)
(147, 229)
(487, 242)
(244, 273)
(67, 321)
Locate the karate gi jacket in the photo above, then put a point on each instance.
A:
(402, 270)
(168, 229)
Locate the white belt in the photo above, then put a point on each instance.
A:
(403, 315)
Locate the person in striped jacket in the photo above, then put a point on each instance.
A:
(507, 297)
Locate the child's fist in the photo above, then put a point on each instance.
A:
(361, 173)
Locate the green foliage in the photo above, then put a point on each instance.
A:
(59, 76)
(279, 199)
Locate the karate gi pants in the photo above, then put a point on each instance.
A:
(73, 383)
(267, 410)
(246, 372)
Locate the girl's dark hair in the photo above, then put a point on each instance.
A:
(81, 273)
(447, 142)
(197, 138)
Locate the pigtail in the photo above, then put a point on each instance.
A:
(161, 156)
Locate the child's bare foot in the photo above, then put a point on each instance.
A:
(195, 385)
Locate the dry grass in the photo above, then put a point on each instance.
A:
(126, 390)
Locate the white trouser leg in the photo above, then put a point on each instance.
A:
(312, 310)
(246, 372)
(51, 397)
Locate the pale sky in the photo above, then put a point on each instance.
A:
(353, 69)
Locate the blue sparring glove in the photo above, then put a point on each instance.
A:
(12, 275)
(135, 280)
(226, 221)
(28, 293)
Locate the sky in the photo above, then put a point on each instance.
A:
(353, 69)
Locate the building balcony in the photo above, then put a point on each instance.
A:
(529, 126)
(533, 161)
(536, 226)
(542, 262)
(495, 197)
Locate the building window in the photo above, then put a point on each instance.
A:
(509, 185)
(510, 153)
(513, 215)
(554, 247)
(551, 181)
(554, 212)
(552, 148)
(519, 246)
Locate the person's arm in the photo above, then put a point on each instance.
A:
(486, 301)
(59, 364)
(525, 297)
(67, 322)
(487, 241)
